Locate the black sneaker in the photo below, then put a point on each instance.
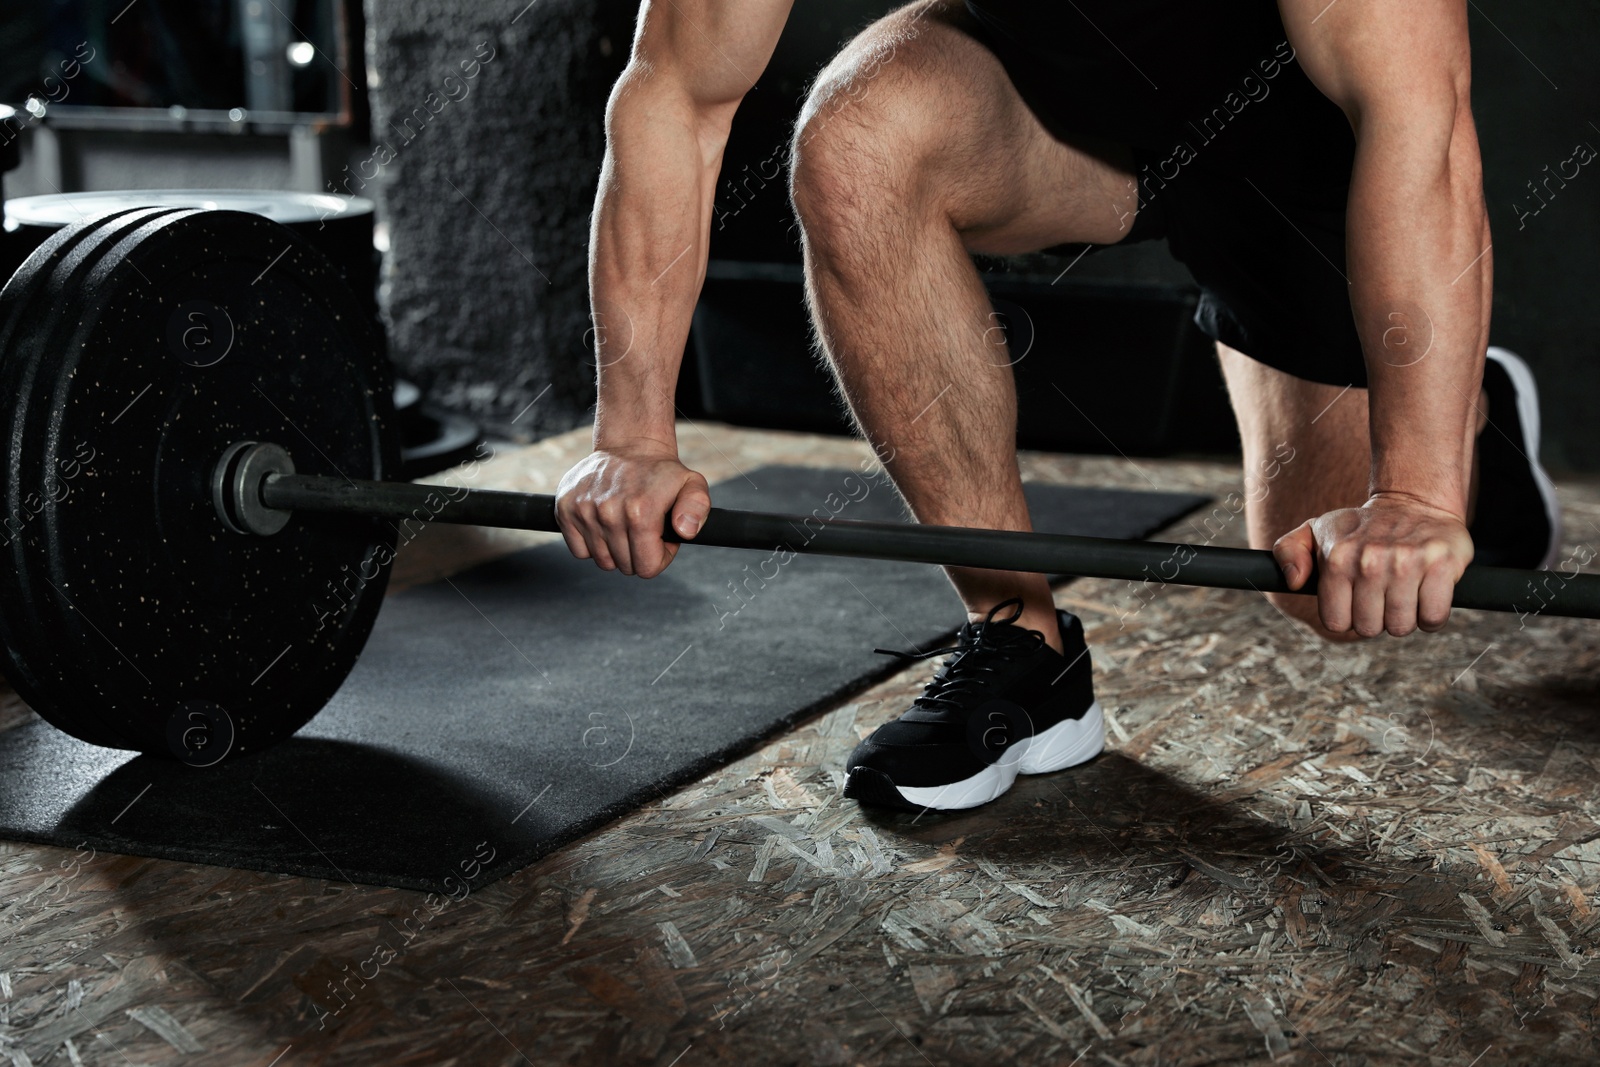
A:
(1004, 704)
(1517, 520)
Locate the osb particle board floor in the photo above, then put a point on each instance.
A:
(1380, 853)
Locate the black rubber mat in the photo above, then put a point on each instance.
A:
(498, 714)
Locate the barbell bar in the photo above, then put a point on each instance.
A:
(158, 365)
(1481, 587)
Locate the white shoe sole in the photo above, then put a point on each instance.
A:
(1528, 417)
(1066, 744)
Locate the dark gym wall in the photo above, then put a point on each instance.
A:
(489, 204)
(1536, 97)
(486, 183)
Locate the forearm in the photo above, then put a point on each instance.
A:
(1421, 279)
(648, 250)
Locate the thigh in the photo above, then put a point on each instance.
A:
(1306, 449)
(917, 94)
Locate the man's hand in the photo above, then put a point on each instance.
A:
(1391, 564)
(1419, 257)
(611, 507)
(667, 125)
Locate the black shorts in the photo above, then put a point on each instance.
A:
(1243, 166)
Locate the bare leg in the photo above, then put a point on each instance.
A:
(914, 150)
(1306, 452)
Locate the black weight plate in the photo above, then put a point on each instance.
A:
(130, 613)
(301, 211)
(341, 226)
(31, 309)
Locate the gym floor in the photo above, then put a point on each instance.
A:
(1383, 852)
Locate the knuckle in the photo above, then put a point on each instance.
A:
(634, 511)
(1342, 558)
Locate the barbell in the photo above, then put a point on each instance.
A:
(198, 515)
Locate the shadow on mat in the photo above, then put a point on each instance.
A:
(374, 815)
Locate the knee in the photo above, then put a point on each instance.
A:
(1302, 611)
(860, 144)
(820, 183)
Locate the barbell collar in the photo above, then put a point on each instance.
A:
(241, 469)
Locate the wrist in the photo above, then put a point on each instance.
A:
(1432, 500)
(631, 423)
(1433, 481)
(636, 442)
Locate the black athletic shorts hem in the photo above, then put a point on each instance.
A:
(1256, 211)
(1270, 267)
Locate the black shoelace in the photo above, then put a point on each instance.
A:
(998, 639)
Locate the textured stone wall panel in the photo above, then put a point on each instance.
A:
(487, 184)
